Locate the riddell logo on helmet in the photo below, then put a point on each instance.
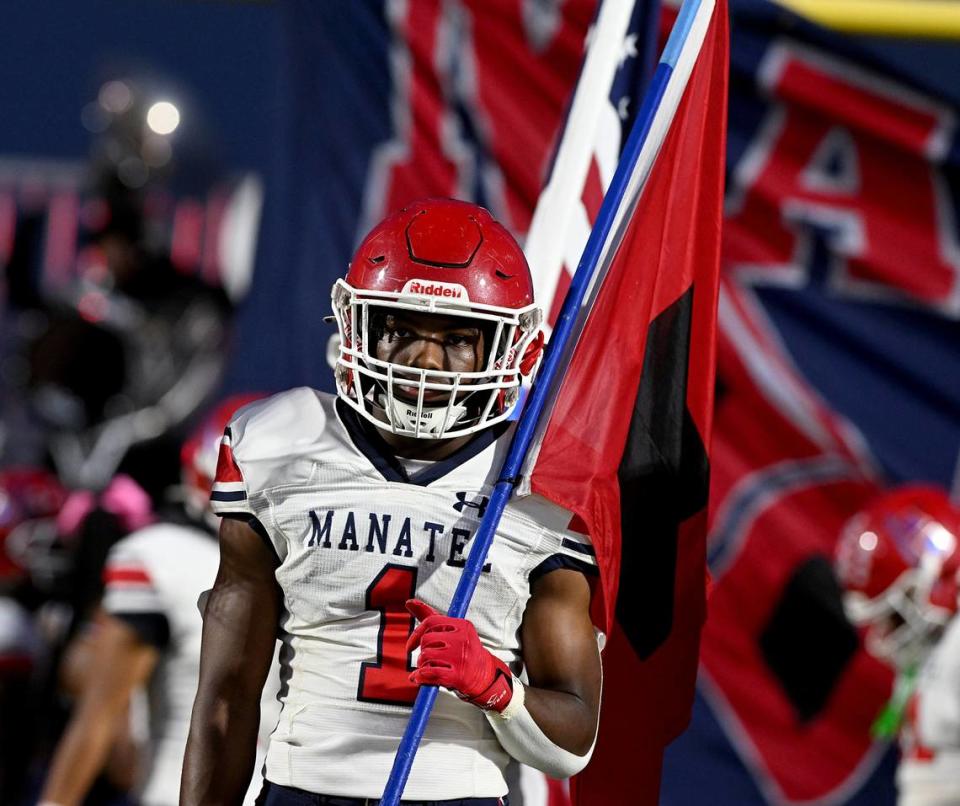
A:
(435, 289)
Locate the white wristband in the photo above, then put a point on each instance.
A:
(516, 701)
(520, 735)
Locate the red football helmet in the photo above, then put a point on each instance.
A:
(198, 455)
(446, 257)
(899, 561)
(30, 499)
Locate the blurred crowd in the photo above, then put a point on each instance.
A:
(109, 431)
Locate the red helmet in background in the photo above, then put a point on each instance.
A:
(29, 498)
(198, 455)
(444, 257)
(899, 561)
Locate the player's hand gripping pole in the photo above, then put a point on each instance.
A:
(556, 358)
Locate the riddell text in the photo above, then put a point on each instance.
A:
(435, 290)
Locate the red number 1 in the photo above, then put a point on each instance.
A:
(386, 680)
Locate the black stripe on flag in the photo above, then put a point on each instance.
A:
(664, 480)
(808, 641)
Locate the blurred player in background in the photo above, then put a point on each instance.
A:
(899, 561)
(147, 634)
(28, 498)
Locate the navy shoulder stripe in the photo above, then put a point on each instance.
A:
(233, 495)
(558, 561)
(573, 545)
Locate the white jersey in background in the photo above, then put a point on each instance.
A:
(929, 773)
(356, 537)
(20, 644)
(153, 579)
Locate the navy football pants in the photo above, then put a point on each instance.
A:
(277, 795)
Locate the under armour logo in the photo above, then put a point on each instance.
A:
(463, 502)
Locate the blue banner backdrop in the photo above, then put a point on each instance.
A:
(839, 373)
(837, 377)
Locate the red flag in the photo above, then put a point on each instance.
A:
(625, 446)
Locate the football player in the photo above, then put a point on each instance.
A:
(147, 634)
(347, 520)
(899, 561)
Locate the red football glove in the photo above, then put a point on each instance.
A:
(452, 656)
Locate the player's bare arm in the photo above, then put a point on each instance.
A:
(121, 661)
(239, 632)
(562, 660)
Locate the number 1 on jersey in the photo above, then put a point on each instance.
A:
(386, 680)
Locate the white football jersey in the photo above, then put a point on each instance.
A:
(929, 773)
(355, 538)
(160, 571)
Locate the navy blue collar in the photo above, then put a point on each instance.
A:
(367, 439)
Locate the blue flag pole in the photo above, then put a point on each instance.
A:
(547, 380)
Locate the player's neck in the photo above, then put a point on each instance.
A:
(425, 449)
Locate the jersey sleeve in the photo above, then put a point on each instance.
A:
(229, 495)
(564, 543)
(131, 595)
(261, 449)
(568, 550)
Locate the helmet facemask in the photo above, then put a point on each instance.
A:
(901, 626)
(427, 403)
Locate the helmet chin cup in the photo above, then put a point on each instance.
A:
(427, 422)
